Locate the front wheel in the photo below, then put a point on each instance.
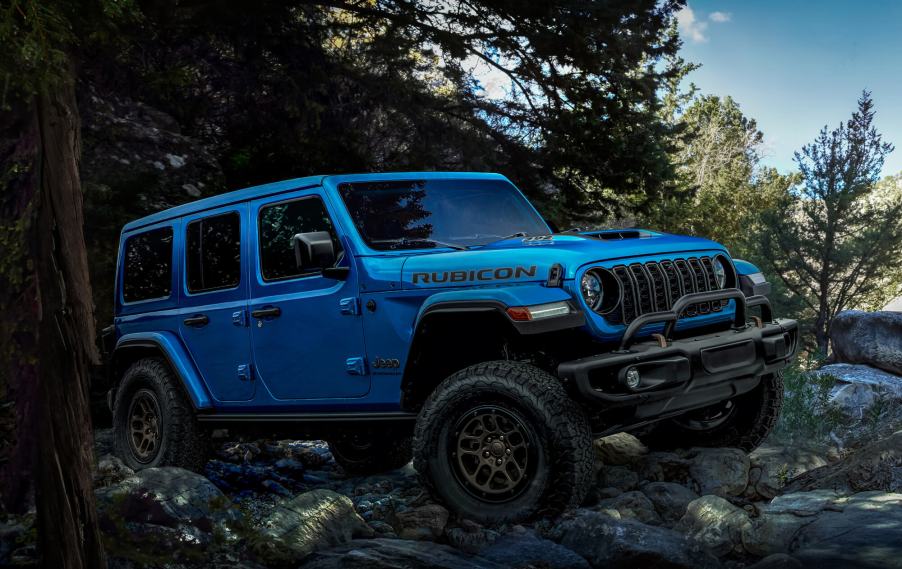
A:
(742, 422)
(501, 442)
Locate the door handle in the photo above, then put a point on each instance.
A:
(197, 321)
(268, 312)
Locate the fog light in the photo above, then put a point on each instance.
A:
(633, 378)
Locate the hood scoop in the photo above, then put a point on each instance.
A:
(618, 234)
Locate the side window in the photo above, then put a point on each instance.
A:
(147, 270)
(213, 253)
(279, 223)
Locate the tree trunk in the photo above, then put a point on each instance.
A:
(59, 294)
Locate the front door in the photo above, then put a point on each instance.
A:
(306, 330)
(213, 315)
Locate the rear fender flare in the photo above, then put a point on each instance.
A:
(176, 356)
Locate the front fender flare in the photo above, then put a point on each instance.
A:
(177, 356)
(499, 299)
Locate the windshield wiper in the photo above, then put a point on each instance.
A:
(410, 241)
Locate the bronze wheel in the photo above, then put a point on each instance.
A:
(145, 426)
(492, 453)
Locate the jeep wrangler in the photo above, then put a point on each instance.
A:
(434, 317)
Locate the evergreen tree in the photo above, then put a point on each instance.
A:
(831, 240)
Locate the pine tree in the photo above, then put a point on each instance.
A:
(831, 241)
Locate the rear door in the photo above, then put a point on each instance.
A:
(213, 315)
(306, 329)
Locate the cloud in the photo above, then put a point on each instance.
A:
(720, 17)
(695, 29)
(690, 27)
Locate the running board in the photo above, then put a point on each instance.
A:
(303, 417)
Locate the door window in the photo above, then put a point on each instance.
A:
(278, 224)
(213, 253)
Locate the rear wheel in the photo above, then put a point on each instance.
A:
(153, 421)
(371, 452)
(502, 441)
(742, 422)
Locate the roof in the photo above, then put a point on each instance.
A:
(264, 190)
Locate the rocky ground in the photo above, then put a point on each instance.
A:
(824, 491)
(287, 504)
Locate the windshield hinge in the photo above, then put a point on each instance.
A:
(350, 306)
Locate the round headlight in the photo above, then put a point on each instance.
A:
(590, 286)
(720, 271)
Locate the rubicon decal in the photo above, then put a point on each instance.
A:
(489, 274)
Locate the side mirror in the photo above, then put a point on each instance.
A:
(313, 250)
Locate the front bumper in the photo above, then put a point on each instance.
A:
(684, 374)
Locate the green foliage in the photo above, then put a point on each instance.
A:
(808, 414)
(832, 239)
(283, 90)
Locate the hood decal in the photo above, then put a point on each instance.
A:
(482, 275)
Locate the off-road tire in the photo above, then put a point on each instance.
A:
(182, 442)
(379, 452)
(563, 440)
(754, 416)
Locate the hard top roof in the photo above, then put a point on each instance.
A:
(264, 190)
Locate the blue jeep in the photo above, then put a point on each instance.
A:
(438, 317)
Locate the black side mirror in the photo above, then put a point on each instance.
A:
(314, 250)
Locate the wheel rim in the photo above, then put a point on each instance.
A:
(492, 453)
(144, 422)
(708, 417)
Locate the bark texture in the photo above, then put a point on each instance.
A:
(67, 518)
(50, 346)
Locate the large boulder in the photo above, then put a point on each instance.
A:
(772, 466)
(619, 449)
(308, 522)
(523, 548)
(823, 529)
(877, 466)
(633, 505)
(670, 500)
(859, 387)
(164, 513)
(424, 522)
(716, 523)
(167, 497)
(609, 542)
(385, 553)
(873, 338)
(719, 471)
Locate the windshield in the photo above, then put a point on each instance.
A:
(439, 213)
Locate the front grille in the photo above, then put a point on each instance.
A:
(654, 287)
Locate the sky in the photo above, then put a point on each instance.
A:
(795, 66)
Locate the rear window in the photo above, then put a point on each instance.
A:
(147, 272)
(213, 253)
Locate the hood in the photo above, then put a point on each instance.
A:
(527, 259)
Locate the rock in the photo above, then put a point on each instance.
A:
(524, 548)
(715, 523)
(670, 500)
(633, 505)
(425, 522)
(873, 338)
(664, 467)
(877, 466)
(619, 449)
(719, 471)
(866, 533)
(607, 542)
(470, 537)
(110, 470)
(170, 497)
(306, 523)
(780, 521)
(777, 465)
(619, 477)
(778, 561)
(859, 387)
(386, 553)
